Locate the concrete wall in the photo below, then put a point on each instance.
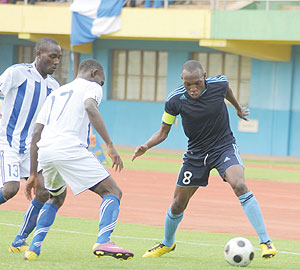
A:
(294, 143)
(274, 98)
(273, 89)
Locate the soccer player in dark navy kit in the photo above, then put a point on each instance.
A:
(211, 144)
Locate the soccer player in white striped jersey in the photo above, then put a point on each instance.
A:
(60, 142)
(25, 88)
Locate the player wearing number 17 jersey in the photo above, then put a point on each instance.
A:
(60, 139)
(211, 144)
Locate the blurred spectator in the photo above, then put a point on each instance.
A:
(132, 3)
(32, 2)
(15, 1)
(157, 3)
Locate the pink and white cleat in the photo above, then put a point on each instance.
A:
(110, 249)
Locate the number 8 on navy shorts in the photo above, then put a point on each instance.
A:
(195, 172)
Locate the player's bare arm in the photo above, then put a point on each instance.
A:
(155, 139)
(241, 112)
(31, 183)
(98, 123)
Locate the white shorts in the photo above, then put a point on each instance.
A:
(13, 166)
(79, 173)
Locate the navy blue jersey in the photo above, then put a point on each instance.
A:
(205, 120)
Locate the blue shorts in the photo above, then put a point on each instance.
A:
(195, 171)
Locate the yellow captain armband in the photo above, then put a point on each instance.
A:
(168, 118)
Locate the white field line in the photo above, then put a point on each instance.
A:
(146, 239)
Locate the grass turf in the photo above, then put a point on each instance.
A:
(68, 246)
(69, 242)
(172, 163)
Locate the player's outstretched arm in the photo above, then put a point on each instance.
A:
(240, 111)
(32, 181)
(99, 125)
(155, 139)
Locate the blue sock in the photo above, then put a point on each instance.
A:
(29, 222)
(171, 224)
(109, 212)
(253, 212)
(2, 198)
(44, 222)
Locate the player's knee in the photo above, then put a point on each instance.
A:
(117, 192)
(177, 208)
(111, 188)
(240, 188)
(42, 194)
(57, 200)
(10, 189)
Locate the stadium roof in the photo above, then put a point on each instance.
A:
(266, 35)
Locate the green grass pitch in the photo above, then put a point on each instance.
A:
(163, 165)
(69, 243)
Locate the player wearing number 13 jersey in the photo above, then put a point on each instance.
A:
(211, 144)
(25, 88)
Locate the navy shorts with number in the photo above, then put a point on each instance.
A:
(195, 171)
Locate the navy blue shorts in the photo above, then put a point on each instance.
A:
(195, 171)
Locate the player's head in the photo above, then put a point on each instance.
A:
(193, 78)
(48, 54)
(91, 70)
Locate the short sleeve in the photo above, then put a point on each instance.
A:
(171, 110)
(219, 82)
(171, 107)
(94, 91)
(6, 81)
(225, 82)
(43, 115)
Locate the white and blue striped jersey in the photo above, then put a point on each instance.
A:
(66, 122)
(25, 91)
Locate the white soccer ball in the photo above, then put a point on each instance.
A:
(239, 252)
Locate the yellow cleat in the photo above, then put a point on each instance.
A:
(268, 250)
(159, 250)
(30, 255)
(19, 249)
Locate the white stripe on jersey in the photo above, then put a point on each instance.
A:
(177, 91)
(65, 120)
(25, 92)
(218, 78)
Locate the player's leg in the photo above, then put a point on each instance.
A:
(86, 172)
(174, 214)
(173, 217)
(109, 208)
(56, 186)
(108, 213)
(231, 168)
(45, 220)
(235, 177)
(189, 180)
(9, 174)
(9, 190)
(30, 217)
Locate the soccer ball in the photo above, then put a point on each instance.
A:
(239, 252)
